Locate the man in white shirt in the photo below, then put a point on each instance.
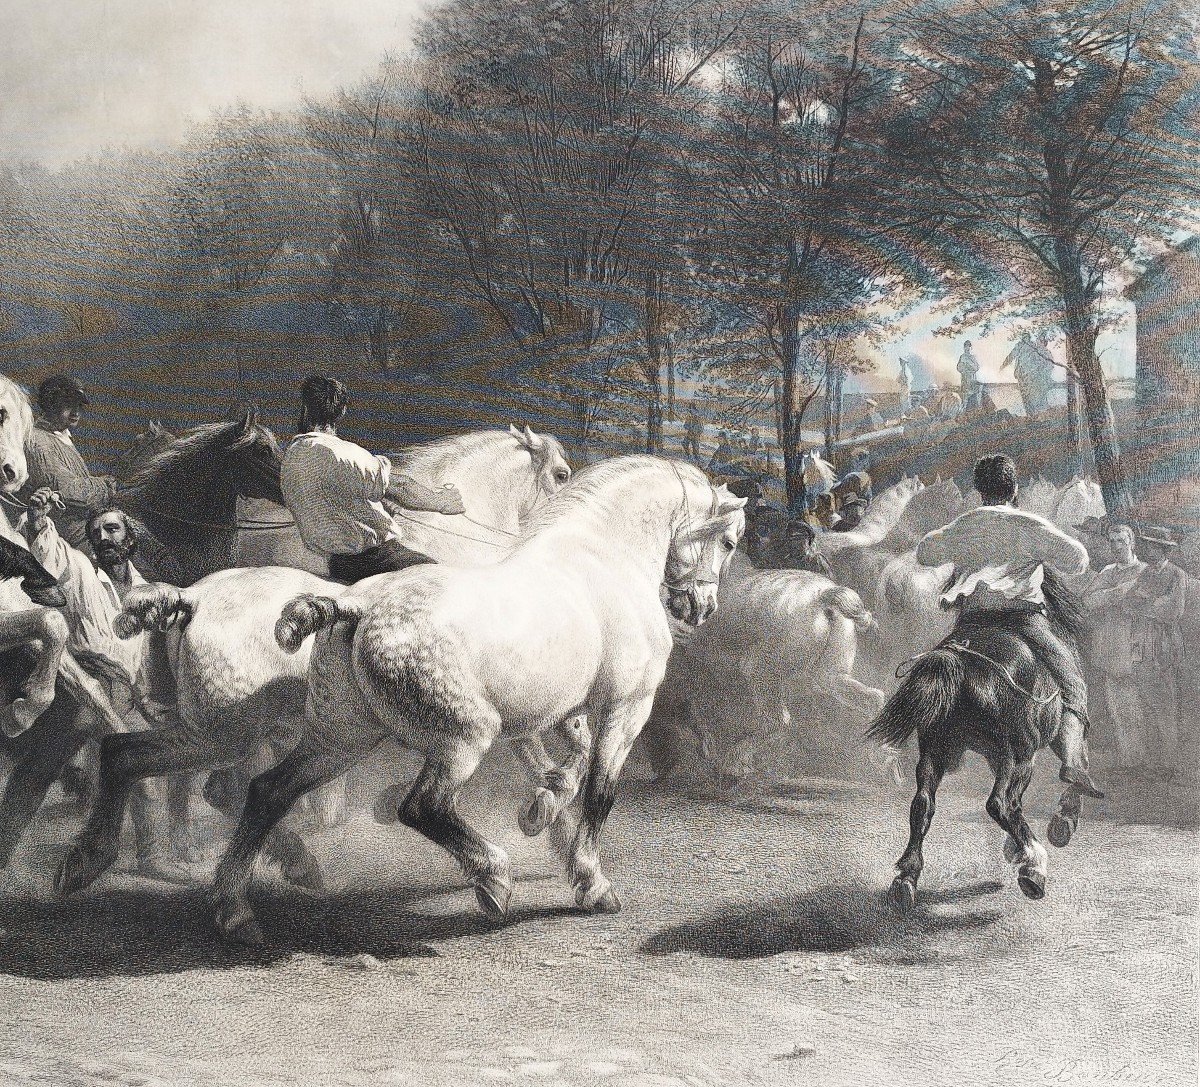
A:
(335, 491)
(94, 592)
(1000, 556)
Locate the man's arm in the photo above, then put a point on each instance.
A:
(85, 491)
(407, 492)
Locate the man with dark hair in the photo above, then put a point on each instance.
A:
(95, 591)
(55, 463)
(335, 491)
(1000, 556)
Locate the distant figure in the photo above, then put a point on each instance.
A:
(693, 435)
(916, 426)
(1157, 601)
(968, 369)
(335, 491)
(824, 513)
(853, 484)
(721, 462)
(851, 514)
(904, 385)
(55, 463)
(1034, 371)
(1106, 600)
(764, 544)
(871, 420)
(798, 553)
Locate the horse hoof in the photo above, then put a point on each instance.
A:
(1060, 830)
(1032, 883)
(493, 895)
(249, 934)
(387, 807)
(538, 814)
(80, 869)
(607, 903)
(305, 874)
(236, 924)
(902, 895)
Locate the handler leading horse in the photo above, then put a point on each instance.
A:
(447, 659)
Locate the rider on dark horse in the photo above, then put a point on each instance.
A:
(1001, 558)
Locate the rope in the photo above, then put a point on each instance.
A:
(904, 669)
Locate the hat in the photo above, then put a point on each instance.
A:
(61, 389)
(1093, 524)
(1155, 535)
(854, 500)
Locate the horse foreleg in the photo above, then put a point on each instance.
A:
(48, 629)
(1021, 848)
(614, 737)
(268, 800)
(903, 893)
(558, 784)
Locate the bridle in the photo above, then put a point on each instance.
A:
(694, 581)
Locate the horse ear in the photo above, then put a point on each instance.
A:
(727, 501)
(533, 442)
(514, 432)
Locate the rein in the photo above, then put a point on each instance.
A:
(904, 669)
(693, 581)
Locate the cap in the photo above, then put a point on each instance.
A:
(854, 500)
(61, 388)
(1155, 535)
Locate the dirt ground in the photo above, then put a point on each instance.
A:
(755, 947)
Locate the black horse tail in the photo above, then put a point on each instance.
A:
(924, 699)
(846, 602)
(306, 614)
(153, 607)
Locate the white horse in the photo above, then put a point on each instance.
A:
(817, 474)
(780, 638)
(1077, 501)
(238, 691)
(883, 514)
(446, 660)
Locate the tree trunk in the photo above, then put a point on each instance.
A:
(1074, 444)
(789, 339)
(652, 329)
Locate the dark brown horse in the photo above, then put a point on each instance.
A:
(186, 494)
(985, 690)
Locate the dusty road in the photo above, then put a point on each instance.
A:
(754, 948)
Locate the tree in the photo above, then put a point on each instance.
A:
(1058, 138)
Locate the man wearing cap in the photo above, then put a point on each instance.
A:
(55, 463)
(798, 549)
(851, 512)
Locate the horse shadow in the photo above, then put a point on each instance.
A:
(140, 932)
(832, 919)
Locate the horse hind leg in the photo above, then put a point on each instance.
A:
(903, 892)
(429, 808)
(269, 798)
(1022, 847)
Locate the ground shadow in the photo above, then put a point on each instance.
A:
(833, 918)
(136, 932)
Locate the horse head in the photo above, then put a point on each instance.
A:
(16, 421)
(253, 459)
(701, 548)
(548, 457)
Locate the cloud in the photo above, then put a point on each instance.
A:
(80, 75)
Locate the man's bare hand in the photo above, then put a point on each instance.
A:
(416, 496)
(45, 497)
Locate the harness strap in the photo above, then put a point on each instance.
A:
(905, 668)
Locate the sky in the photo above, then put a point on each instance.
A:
(77, 76)
(80, 75)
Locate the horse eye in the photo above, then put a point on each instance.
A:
(729, 545)
(561, 474)
(3, 416)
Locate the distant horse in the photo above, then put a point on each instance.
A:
(447, 659)
(146, 445)
(881, 517)
(1080, 499)
(982, 689)
(780, 637)
(1038, 496)
(187, 493)
(817, 474)
(238, 690)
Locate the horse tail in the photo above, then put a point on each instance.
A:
(153, 607)
(847, 603)
(924, 699)
(306, 614)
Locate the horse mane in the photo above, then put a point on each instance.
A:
(202, 439)
(597, 478)
(435, 456)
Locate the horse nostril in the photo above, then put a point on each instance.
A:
(10, 473)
